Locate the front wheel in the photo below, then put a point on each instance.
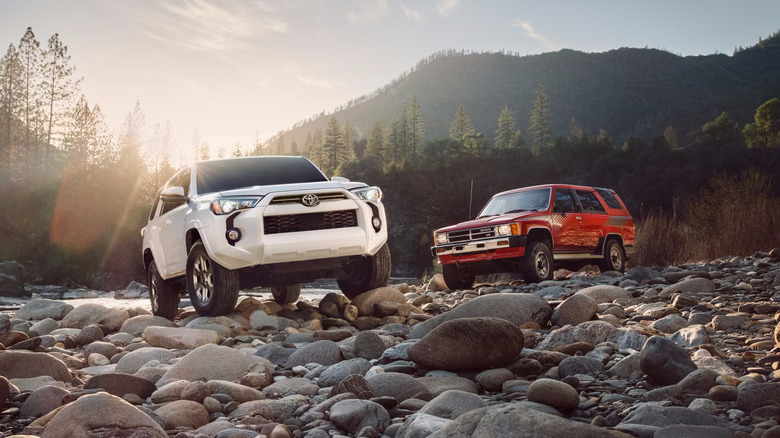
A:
(213, 289)
(614, 257)
(164, 294)
(457, 278)
(286, 294)
(537, 263)
(368, 273)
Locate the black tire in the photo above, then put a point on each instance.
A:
(164, 294)
(537, 263)
(369, 273)
(213, 289)
(614, 256)
(457, 278)
(286, 294)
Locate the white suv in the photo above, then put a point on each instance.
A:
(274, 221)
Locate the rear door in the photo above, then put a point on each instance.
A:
(566, 221)
(594, 218)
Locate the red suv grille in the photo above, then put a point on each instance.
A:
(309, 222)
(471, 234)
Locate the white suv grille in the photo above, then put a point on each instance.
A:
(292, 223)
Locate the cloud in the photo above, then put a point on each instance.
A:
(529, 31)
(205, 25)
(318, 82)
(367, 11)
(411, 14)
(447, 6)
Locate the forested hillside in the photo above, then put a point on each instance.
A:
(625, 91)
(692, 144)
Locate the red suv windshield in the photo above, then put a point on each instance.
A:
(526, 200)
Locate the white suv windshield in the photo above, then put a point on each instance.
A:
(221, 175)
(526, 200)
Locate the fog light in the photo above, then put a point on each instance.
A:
(233, 235)
(377, 223)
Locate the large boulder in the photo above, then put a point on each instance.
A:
(365, 301)
(40, 308)
(95, 314)
(515, 308)
(665, 362)
(214, 362)
(469, 344)
(102, 415)
(26, 364)
(322, 352)
(506, 420)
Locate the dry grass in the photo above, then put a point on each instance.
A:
(731, 215)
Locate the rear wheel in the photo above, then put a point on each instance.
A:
(368, 273)
(457, 278)
(614, 257)
(537, 263)
(213, 289)
(286, 294)
(164, 294)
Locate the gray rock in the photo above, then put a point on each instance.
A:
(95, 314)
(641, 273)
(400, 386)
(726, 322)
(236, 391)
(593, 332)
(625, 367)
(754, 396)
(576, 309)
(505, 420)
(515, 308)
(693, 336)
(689, 431)
(42, 401)
(365, 301)
(553, 393)
(421, 425)
(438, 385)
(369, 345)
(133, 361)
(273, 410)
(580, 365)
(354, 415)
(137, 324)
(293, 385)
(275, 353)
(603, 293)
(117, 418)
(339, 371)
(670, 323)
(119, 384)
(493, 380)
(260, 320)
(183, 414)
(452, 404)
(322, 352)
(689, 286)
(26, 364)
(44, 327)
(662, 416)
(40, 308)
(199, 364)
(665, 362)
(469, 343)
(180, 338)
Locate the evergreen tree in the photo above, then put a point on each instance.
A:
(316, 152)
(540, 123)
(505, 134)
(604, 139)
(765, 131)
(376, 143)
(416, 130)
(11, 86)
(461, 126)
(575, 132)
(308, 144)
(30, 55)
(394, 142)
(58, 86)
(333, 147)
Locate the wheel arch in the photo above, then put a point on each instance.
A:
(148, 257)
(193, 235)
(540, 234)
(606, 238)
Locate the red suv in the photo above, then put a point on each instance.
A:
(530, 230)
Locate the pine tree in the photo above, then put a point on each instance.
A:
(58, 86)
(540, 123)
(506, 128)
(394, 143)
(30, 55)
(764, 132)
(416, 130)
(11, 85)
(575, 132)
(461, 126)
(376, 143)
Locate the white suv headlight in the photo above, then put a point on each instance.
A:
(229, 205)
(369, 193)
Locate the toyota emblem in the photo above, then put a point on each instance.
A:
(310, 200)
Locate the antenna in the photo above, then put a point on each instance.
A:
(471, 195)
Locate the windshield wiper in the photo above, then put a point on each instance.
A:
(487, 215)
(519, 210)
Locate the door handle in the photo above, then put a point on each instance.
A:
(168, 223)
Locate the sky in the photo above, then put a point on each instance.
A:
(237, 70)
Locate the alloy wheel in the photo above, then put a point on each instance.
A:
(203, 279)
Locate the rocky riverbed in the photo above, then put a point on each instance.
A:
(685, 351)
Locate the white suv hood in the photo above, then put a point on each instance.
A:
(297, 187)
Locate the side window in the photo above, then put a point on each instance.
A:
(563, 201)
(590, 203)
(609, 198)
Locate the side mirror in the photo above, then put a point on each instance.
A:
(339, 179)
(173, 194)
